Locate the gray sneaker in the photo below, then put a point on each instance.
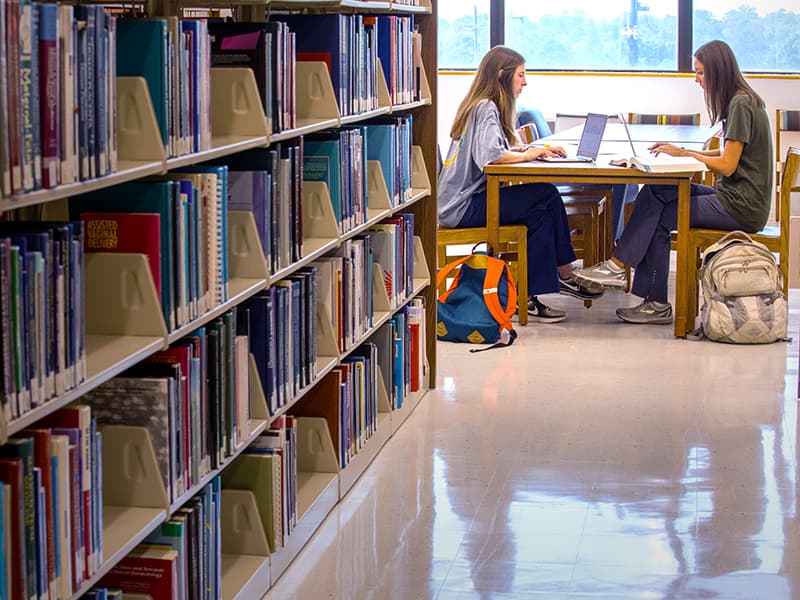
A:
(542, 313)
(601, 274)
(647, 313)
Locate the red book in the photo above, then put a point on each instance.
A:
(42, 458)
(150, 570)
(48, 93)
(11, 474)
(125, 232)
(415, 355)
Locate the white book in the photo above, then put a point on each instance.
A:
(663, 163)
(59, 447)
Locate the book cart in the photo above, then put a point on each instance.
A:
(124, 322)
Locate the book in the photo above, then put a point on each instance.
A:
(147, 570)
(11, 475)
(125, 232)
(663, 163)
(21, 448)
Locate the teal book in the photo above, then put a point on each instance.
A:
(4, 489)
(141, 197)
(142, 52)
(382, 146)
(321, 162)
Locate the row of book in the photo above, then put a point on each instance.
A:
(339, 159)
(268, 468)
(283, 336)
(181, 560)
(51, 487)
(57, 94)
(192, 398)
(42, 340)
(179, 221)
(173, 55)
(268, 183)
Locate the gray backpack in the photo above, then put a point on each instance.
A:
(742, 292)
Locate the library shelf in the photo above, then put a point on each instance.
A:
(317, 488)
(245, 550)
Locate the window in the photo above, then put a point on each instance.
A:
(463, 33)
(622, 35)
(764, 35)
(586, 34)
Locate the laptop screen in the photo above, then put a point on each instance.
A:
(592, 135)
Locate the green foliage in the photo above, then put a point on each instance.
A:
(769, 43)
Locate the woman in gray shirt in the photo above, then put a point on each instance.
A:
(483, 133)
(740, 200)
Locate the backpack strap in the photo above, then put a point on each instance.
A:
(445, 271)
(494, 270)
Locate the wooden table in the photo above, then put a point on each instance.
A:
(602, 172)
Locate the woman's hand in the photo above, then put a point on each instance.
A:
(670, 149)
(537, 152)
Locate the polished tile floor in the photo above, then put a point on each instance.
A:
(593, 459)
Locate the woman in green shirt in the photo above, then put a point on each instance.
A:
(740, 200)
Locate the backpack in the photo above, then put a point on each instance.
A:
(478, 305)
(742, 292)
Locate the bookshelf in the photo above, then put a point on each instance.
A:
(125, 324)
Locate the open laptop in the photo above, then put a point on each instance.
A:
(589, 145)
(627, 133)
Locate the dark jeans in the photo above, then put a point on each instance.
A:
(645, 243)
(540, 208)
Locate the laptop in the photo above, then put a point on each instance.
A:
(627, 133)
(589, 145)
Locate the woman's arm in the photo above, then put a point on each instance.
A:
(529, 154)
(723, 163)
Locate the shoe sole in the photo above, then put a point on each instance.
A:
(538, 319)
(579, 296)
(620, 285)
(653, 321)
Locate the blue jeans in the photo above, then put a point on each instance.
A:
(539, 207)
(645, 243)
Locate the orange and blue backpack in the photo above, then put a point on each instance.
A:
(478, 305)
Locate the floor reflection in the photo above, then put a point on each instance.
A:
(590, 460)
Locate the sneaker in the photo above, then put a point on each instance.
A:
(543, 313)
(570, 287)
(647, 313)
(601, 274)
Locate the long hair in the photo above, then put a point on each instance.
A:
(493, 81)
(722, 79)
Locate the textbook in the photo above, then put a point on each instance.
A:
(663, 163)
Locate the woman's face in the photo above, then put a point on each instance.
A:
(699, 73)
(519, 80)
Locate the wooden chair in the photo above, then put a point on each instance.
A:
(785, 121)
(513, 249)
(776, 238)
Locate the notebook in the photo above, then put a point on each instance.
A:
(589, 145)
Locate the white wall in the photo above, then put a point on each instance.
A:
(581, 93)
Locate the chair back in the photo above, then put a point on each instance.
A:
(788, 182)
(663, 119)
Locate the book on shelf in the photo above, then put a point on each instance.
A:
(126, 232)
(663, 163)
(146, 570)
(11, 475)
(21, 448)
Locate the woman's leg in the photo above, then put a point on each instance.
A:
(538, 206)
(645, 243)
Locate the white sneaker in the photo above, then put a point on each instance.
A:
(601, 274)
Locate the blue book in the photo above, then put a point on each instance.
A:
(142, 52)
(382, 146)
(87, 67)
(321, 162)
(399, 358)
(39, 510)
(101, 108)
(325, 37)
(262, 342)
(56, 519)
(141, 197)
(193, 29)
(250, 191)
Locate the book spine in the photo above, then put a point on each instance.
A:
(14, 94)
(49, 80)
(5, 109)
(36, 127)
(26, 91)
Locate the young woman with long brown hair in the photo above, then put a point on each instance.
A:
(483, 133)
(740, 199)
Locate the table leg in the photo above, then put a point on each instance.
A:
(493, 212)
(681, 285)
